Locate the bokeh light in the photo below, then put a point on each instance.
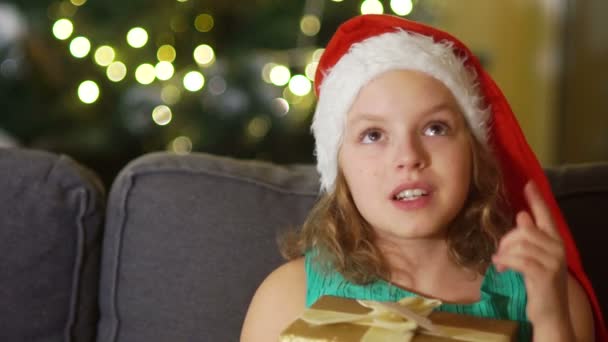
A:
(181, 145)
(279, 75)
(258, 127)
(66, 9)
(116, 71)
(402, 7)
(164, 70)
(166, 53)
(280, 106)
(88, 92)
(316, 56)
(80, 47)
(203, 23)
(372, 7)
(162, 115)
(104, 55)
(204, 55)
(145, 73)
(137, 37)
(300, 85)
(170, 94)
(310, 70)
(266, 71)
(310, 25)
(291, 98)
(217, 85)
(63, 29)
(78, 2)
(194, 81)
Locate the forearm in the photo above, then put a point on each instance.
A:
(555, 331)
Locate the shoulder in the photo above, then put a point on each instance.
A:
(278, 301)
(581, 315)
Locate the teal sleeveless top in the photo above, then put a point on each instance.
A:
(503, 294)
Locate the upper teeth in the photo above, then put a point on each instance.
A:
(410, 193)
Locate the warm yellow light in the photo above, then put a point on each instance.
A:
(310, 25)
(204, 55)
(166, 53)
(203, 23)
(104, 55)
(164, 70)
(162, 115)
(259, 126)
(291, 98)
(316, 56)
(182, 0)
(266, 72)
(145, 73)
(194, 81)
(310, 70)
(300, 85)
(80, 47)
(88, 92)
(279, 75)
(137, 37)
(402, 7)
(280, 106)
(63, 29)
(181, 145)
(372, 7)
(170, 94)
(78, 2)
(337, 0)
(66, 9)
(116, 71)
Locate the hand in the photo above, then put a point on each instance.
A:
(535, 249)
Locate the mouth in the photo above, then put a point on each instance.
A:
(410, 194)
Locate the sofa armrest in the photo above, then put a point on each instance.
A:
(50, 236)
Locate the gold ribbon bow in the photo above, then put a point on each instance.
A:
(398, 321)
(387, 321)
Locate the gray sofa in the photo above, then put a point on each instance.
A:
(178, 247)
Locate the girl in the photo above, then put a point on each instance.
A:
(428, 188)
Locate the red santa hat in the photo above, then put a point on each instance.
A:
(369, 45)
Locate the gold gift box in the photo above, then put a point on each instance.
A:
(452, 327)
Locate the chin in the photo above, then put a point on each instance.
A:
(412, 233)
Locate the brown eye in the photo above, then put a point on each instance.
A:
(371, 136)
(436, 128)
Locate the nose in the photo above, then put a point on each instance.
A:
(409, 153)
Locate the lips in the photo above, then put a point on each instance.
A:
(411, 188)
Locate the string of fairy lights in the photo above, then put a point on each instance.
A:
(297, 88)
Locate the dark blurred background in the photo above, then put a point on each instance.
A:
(106, 81)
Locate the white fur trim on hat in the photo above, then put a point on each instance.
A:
(372, 57)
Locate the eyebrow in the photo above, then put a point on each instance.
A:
(367, 117)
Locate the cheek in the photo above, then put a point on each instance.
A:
(359, 172)
(358, 161)
(460, 166)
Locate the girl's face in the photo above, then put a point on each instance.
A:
(406, 155)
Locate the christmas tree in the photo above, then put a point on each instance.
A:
(106, 81)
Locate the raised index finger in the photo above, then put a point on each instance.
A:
(540, 211)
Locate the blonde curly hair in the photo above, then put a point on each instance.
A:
(345, 242)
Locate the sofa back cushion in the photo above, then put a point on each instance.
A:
(188, 240)
(50, 236)
(581, 191)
